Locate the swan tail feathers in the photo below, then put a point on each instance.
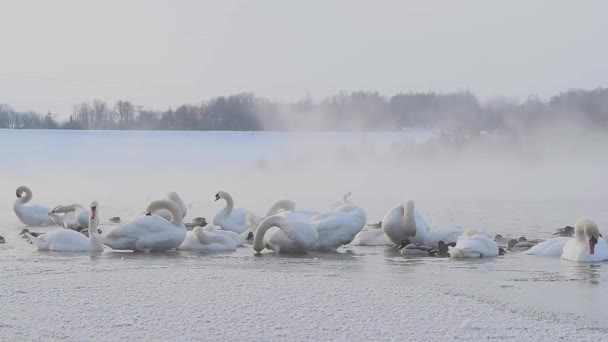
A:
(456, 252)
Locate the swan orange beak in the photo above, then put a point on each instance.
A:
(148, 214)
(93, 213)
(592, 243)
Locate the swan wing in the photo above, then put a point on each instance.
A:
(32, 215)
(394, 226)
(337, 229)
(373, 237)
(152, 231)
(63, 241)
(212, 242)
(236, 221)
(550, 248)
(477, 245)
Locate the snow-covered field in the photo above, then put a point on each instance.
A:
(359, 293)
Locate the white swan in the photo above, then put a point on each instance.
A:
(66, 240)
(587, 244)
(338, 227)
(549, 248)
(239, 239)
(474, 245)
(371, 237)
(202, 240)
(230, 218)
(74, 216)
(151, 232)
(285, 233)
(31, 215)
(403, 222)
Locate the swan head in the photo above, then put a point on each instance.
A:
(93, 212)
(20, 190)
(591, 232)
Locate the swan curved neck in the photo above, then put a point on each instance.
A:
(66, 208)
(28, 195)
(176, 214)
(93, 233)
(173, 196)
(58, 220)
(410, 220)
(267, 223)
(280, 206)
(229, 203)
(579, 233)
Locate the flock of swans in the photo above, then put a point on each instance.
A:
(160, 227)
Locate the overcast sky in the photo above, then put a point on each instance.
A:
(54, 54)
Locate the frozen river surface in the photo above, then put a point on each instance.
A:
(358, 293)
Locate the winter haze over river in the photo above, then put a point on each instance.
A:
(357, 293)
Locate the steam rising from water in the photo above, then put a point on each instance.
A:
(126, 169)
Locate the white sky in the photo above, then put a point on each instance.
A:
(54, 54)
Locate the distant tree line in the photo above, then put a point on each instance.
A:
(344, 111)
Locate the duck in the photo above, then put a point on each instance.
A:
(567, 231)
(587, 244)
(285, 233)
(25, 230)
(474, 245)
(404, 222)
(338, 227)
(521, 244)
(196, 222)
(443, 249)
(66, 240)
(230, 218)
(202, 240)
(150, 233)
(30, 215)
(375, 225)
(115, 219)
